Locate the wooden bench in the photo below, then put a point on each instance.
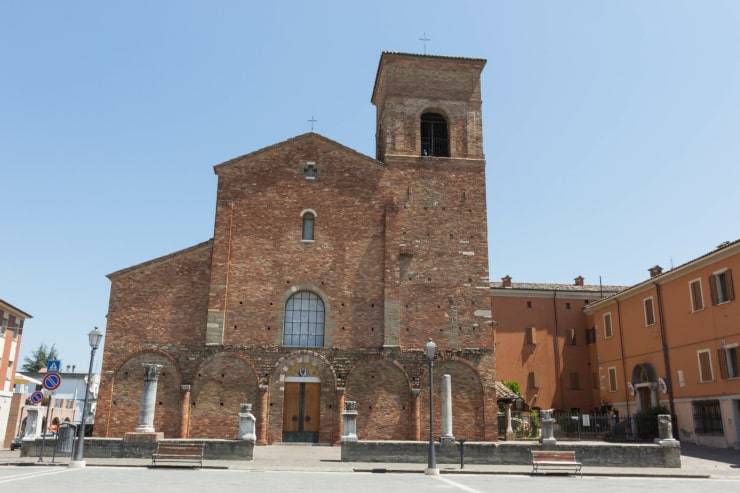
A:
(179, 453)
(555, 460)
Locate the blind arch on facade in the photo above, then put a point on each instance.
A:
(304, 320)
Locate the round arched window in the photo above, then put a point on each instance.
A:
(303, 324)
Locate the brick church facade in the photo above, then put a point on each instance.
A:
(327, 273)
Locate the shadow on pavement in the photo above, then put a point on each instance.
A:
(723, 455)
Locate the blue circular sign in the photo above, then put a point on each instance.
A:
(52, 381)
(37, 397)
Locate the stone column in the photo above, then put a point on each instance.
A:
(415, 415)
(264, 411)
(184, 411)
(509, 427)
(247, 429)
(548, 428)
(349, 422)
(665, 431)
(447, 437)
(148, 398)
(340, 411)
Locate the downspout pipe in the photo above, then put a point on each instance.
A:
(666, 355)
(624, 363)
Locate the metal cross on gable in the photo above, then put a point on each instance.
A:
(312, 121)
(424, 40)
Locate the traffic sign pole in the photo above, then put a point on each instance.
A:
(45, 427)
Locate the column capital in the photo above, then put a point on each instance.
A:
(263, 388)
(185, 387)
(415, 393)
(341, 390)
(151, 371)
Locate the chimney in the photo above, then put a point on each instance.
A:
(655, 271)
(579, 281)
(73, 368)
(67, 369)
(506, 281)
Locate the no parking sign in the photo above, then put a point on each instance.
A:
(37, 397)
(52, 381)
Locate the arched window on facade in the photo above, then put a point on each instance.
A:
(309, 221)
(435, 139)
(303, 324)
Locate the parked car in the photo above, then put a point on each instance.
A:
(16, 443)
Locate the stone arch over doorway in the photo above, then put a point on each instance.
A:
(307, 367)
(467, 399)
(382, 391)
(645, 383)
(128, 384)
(222, 383)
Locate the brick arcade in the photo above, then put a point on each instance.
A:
(327, 272)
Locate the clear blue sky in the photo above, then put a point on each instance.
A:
(612, 129)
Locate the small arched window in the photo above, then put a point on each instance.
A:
(309, 221)
(303, 324)
(434, 136)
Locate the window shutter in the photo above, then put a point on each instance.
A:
(722, 358)
(530, 335)
(713, 288)
(730, 287)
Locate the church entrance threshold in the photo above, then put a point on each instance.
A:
(301, 412)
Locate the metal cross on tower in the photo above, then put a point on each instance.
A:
(312, 121)
(424, 40)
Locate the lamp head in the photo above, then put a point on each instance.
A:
(95, 336)
(430, 348)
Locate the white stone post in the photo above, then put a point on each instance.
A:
(509, 427)
(247, 428)
(447, 437)
(665, 431)
(548, 428)
(33, 423)
(148, 398)
(349, 422)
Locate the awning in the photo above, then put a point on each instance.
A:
(21, 379)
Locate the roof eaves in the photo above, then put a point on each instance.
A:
(159, 259)
(12, 307)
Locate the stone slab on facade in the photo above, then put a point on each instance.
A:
(596, 454)
(143, 436)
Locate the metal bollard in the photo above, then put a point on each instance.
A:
(462, 453)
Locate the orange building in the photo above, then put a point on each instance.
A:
(672, 341)
(11, 331)
(543, 341)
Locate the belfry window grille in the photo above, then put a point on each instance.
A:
(304, 320)
(435, 139)
(309, 221)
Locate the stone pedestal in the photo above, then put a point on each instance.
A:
(509, 427)
(34, 421)
(665, 431)
(349, 422)
(247, 428)
(447, 437)
(548, 428)
(143, 437)
(148, 398)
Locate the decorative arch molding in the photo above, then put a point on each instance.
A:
(299, 356)
(308, 211)
(644, 373)
(213, 358)
(375, 359)
(142, 352)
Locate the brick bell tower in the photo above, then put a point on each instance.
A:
(429, 135)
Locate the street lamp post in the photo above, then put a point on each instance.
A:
(95, 336)
(432, 468)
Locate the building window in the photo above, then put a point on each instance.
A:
(530, 335)
(303, 324)
(697, 298)
(575, 383)
(434, 136)
(705, 366)
(309, 171)
(572, 337)
(567, 306)
(309, 222)
(591, 335)
(729, 365)
(722, 288)
(608, 330)
(707, 418)
(649, 311)
(532, 380)
(612, 379)
(681, 378)
(529, 304)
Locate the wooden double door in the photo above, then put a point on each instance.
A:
(301, 410)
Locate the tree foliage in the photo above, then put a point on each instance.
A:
(39, 357)
(513, 386)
